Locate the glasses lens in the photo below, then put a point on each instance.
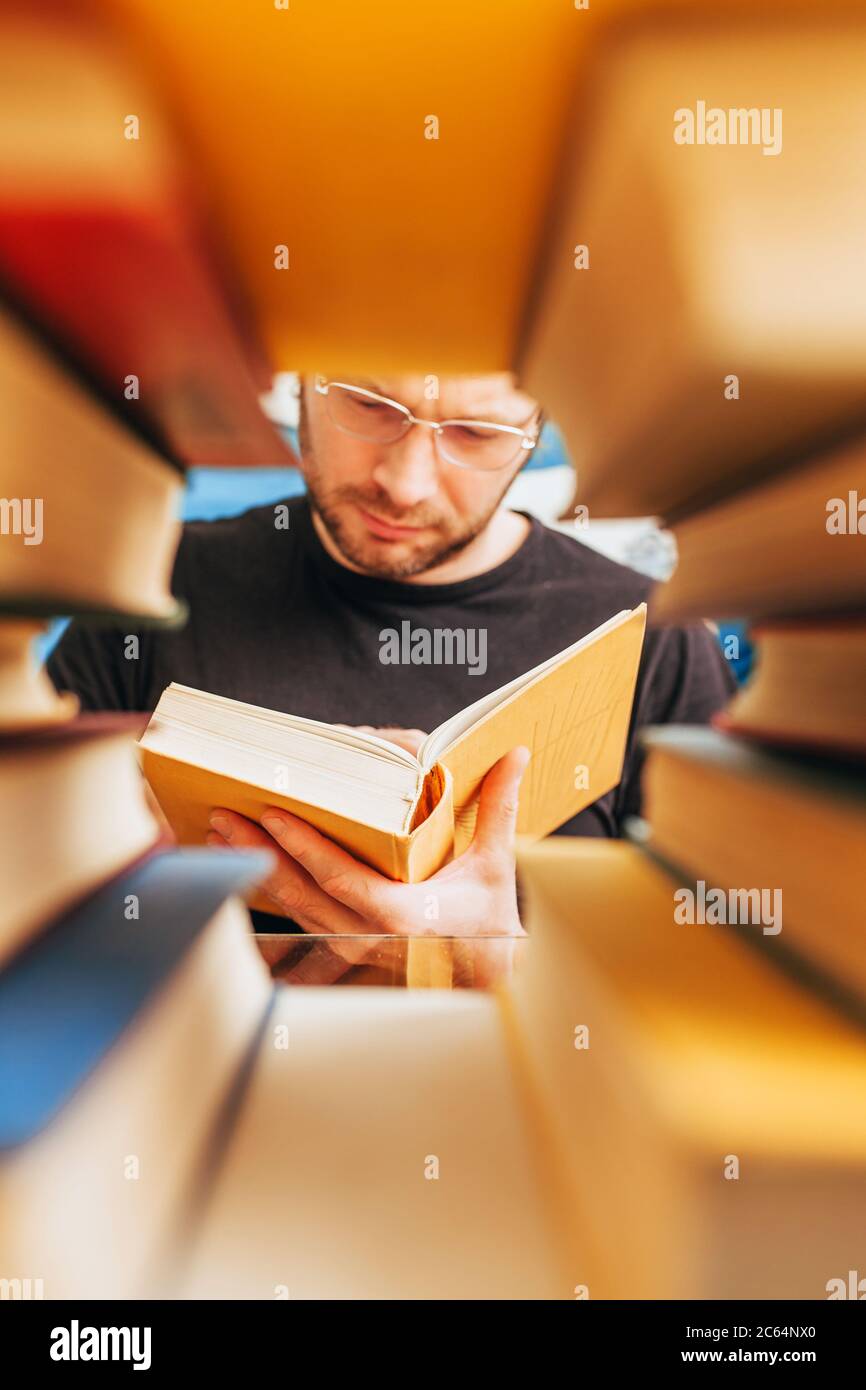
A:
(365, 417)
(478, 446)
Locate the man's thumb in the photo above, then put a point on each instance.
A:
(497, 804)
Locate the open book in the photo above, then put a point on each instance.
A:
(401, 813)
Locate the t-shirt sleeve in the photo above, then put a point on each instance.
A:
(686, 680)
(102, 666)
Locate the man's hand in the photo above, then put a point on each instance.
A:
(326, 890)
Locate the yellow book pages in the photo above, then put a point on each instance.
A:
(663, 1051)
(188, 794)
(675, 337)
(379, 1153)
(575, 720)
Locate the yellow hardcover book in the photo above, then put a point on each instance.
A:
(700, 1110)
(399, 812)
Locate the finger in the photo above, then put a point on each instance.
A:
(498, 803)
(337, 873)
(292, 890)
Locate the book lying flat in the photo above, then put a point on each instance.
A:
(786, 547)
(89, 511)
(741, 817)
(72, 813)
(137, 290)
(706, 1111)
(27, 697)
(400, 813)
(381, 310)
(381, 1154)
(122, 1037)
(808, 688)
(715, 142)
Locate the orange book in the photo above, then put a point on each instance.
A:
(401, 813)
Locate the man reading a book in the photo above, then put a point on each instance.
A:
(402, 533)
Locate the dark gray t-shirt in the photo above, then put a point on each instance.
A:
(275, 621)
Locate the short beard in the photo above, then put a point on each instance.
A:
(326, 503)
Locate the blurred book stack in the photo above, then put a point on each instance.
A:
(129, 989)
(130, 992)
(103, 239)
(709, 368)
(668, 1102)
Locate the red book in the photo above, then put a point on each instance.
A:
(101, 244)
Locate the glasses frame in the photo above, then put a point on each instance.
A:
(528, 434)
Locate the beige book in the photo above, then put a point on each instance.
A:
(788, 547)
(90, 1205)
(709, 1132)
(27, 697)
(715, 317)
(381, 1152)
(740, 817)
(808, 687)
(72, 813)
(400, 813)
(88, 512)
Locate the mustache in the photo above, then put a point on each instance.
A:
(380, 505)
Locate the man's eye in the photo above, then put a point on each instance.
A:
(472, 436)
(366, 404)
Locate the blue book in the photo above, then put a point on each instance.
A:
(125, 1029)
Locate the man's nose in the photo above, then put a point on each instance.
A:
(409, 470)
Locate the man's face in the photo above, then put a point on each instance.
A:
(395, 510)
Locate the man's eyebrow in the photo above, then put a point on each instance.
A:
(368, 385)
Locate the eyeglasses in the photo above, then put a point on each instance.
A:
(466, 443)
